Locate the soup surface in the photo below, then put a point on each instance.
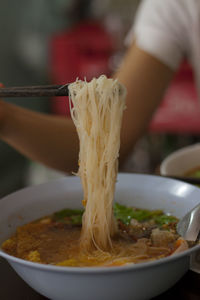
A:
(143, 235)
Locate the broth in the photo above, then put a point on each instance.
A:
(143, 235)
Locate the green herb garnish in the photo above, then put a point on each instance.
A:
(76, 220)
(125, 214)
(165, 220)
(75, 215)
(121, 212)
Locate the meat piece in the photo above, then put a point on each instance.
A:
(162, 238)
(135, 230)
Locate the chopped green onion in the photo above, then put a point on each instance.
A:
(67, 213)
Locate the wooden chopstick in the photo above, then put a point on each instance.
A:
(35, 91)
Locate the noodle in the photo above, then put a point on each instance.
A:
(96, 109)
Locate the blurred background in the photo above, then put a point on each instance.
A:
(56, 41)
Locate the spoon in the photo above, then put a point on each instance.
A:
(189, 226)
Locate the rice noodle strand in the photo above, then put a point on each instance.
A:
(96, 109)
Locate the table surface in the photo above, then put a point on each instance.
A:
(13, 287)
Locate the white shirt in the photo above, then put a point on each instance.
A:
(170, 31)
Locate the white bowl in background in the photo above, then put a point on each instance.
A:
(138, 282)
(181, 161)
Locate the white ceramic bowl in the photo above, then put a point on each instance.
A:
(181, 161)
(138, 282)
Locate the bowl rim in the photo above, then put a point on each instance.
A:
(100, 269)
(176, 154)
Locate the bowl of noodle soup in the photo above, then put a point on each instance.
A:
(87, 283)
(110, 249)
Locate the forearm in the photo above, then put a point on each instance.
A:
(48, 139)
(53, 140)
(146, 80)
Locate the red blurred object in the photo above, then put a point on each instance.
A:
(83, 52)
(179, 111)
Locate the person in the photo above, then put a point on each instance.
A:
(163, 34)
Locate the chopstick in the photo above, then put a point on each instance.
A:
(191, 180)
(35, 91)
